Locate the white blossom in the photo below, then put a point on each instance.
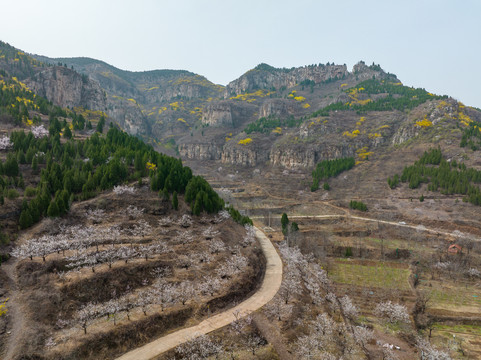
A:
(5, 143)
(124, 189)
(134, 212)
(392, 312)
(210, 233)
(216, 246)
(234, 265)
(39, 131)
(185, 221)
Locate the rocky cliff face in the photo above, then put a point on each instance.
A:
(267, 77)
(244, 156)
(279, 108)
(204, 151)
(67, 88)
(301, 156)
(128, 116)
(228, 113)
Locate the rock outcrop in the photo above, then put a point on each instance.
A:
(209, 151)
(267, 77)
(301, 156)
(281, 108)
(67, 88)
(228, 113)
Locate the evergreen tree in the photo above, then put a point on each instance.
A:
(164, 194)
(10, 166)
(25, 219)
(284, 223)
(53, 210)
(100, 125)
(175, 201)
(294, 227)
(67, 133)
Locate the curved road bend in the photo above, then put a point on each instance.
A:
(270, 286)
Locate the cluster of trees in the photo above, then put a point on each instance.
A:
(80, 169)
(357, 205)
(202, 197)
(238, 217)
(321, 337)
(399, 97)
(443, 176)
(17, 101)
(91, 245)
(285, 225)
(470, 135)
(203, 347)
(267, 124)
(393, 182)
(162, 293)
(330, 168)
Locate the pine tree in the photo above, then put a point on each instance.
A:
(53, 210)
(294, 227)
(284, 223)
(67, 133)
(35, 164)
(175, 201)
(25, 219)
(100, 125)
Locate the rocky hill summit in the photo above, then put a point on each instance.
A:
(291, 118)
(264, 76)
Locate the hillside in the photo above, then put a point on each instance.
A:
(369, 188)
(170, 101)
(57, 171)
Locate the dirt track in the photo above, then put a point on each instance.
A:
(270, 285)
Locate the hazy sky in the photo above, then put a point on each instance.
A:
(431, 44)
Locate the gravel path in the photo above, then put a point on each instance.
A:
(270, 286)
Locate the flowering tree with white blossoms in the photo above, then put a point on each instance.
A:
(123, 189)
(392, 312)
(5, 143)
(39, 131)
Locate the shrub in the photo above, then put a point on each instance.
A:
(30, 191)
(357, 205)
(12, 194)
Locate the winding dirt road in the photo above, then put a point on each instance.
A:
(270, 286)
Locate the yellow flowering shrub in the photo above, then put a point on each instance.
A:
(250, 97)
(177, 105)
(150, 166)
(245, 141)
(306, 106)
(3, 308)
(351, 134)
(424, 122)
(463, 118)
